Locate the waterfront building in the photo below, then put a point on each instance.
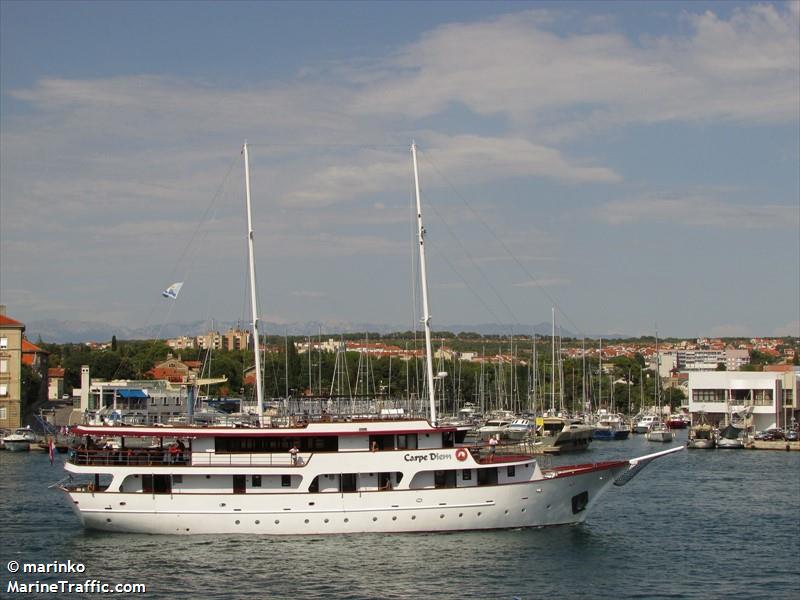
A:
(145, 401)
(10, 371)
(770, 396)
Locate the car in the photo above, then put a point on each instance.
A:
(770, 435)
(792, 436)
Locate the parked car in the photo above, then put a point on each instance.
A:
(770, 435)
(792, 436)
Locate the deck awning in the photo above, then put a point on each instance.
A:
(127, 393)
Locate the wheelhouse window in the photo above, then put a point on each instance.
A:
(256, 481)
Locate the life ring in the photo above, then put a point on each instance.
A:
(461, 454)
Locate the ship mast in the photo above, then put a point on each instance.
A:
(426, 316)
(253, 299)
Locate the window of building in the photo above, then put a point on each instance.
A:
(3, 343)
(787, 397)
(3, 389)
(3, 365)
(708, 395)
(3, 413)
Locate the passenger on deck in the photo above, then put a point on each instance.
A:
(492, 447)
(293, 451)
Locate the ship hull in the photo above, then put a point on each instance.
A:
(561, 498)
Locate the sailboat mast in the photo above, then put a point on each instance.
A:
(426, 316)
(253, 299)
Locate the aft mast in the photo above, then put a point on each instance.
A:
(253, 298)
(426, 316)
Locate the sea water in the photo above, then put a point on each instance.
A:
(697, 524)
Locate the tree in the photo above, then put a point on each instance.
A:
(113, 343)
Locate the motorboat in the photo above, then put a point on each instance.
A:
(644, 424)
(610, 427)
(20, 440)
(518, 429)
(564, 434)
(730, 437)
(660, 432)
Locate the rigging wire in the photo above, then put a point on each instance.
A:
(486, 226)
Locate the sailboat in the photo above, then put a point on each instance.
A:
(659, 431)
(339, 474)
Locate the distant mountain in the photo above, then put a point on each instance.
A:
(61, 332)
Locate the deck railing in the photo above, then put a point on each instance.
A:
(164, 457)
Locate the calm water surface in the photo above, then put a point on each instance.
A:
(699, 524)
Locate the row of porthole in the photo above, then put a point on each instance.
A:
(346, 520)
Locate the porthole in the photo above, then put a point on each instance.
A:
(108, 520)
(394, 518)
(479, 513)
(346, 520)
(236, 521)
(258, 522)
(524, 509)
(441, 516)
(506, 512)
(276, 521)
(326, 520)
(413, 517)
(460, 515)
(306, 521)
(374, 518)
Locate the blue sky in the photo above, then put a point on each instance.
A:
(634, 163)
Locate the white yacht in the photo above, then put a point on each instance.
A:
(339, 475)
(20, 440)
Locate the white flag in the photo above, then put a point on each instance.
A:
(173, 290)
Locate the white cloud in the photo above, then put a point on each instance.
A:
(695, 209)
(742, 68)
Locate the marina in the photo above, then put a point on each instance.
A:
(686, 497)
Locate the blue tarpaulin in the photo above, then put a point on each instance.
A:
(131, 394)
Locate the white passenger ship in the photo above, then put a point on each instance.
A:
(329, 476)
(358, 476)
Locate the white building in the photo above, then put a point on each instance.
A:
(772, 395)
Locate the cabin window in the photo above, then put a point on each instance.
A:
(487, 476)
(314, 487)
(444, 479)
(448, 439)
(348, 482)
(256, 481)
(156, 484)
(407, 441)
(239, 484)
(466, 475)
(286, 481)
(511, 471)
(177, 479)
(384, 481)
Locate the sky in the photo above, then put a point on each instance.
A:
(634, 165)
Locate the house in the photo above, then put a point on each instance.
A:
(174, 369)
(10, 371)
(55, 383)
